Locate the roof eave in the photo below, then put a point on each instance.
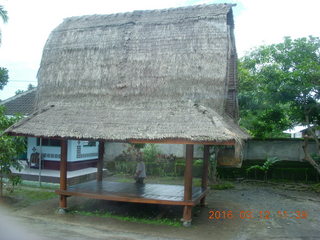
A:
(159, 141)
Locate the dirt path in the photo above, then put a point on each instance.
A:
(41, 220)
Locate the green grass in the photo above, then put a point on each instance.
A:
(222, 186)
(33, 194)
(23, 196)
(26, 193)
(35, 184)
(163, 221)
(44, 185)
(197, 182)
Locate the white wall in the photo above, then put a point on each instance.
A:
(81, 152)
(49, 153)
(53, 153)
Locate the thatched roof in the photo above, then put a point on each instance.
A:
(162, 74)
(22, 103)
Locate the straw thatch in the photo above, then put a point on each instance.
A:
(162, 74)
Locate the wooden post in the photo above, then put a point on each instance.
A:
(63, 173)
(100, 161)
(204, 181)
(187, 212)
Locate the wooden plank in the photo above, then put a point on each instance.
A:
(119, 198)
(131, 192)
(63, 172)
(100, 161)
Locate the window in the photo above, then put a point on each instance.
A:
(89, 144)
(49, 142)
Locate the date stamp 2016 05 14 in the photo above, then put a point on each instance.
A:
(262, 214)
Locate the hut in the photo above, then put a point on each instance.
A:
(159, 76)
(81, 154)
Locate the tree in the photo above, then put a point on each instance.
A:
(3, 71)
(30, 87)
(280, 88)
(3, 77)
(10, 149)
(4, 16)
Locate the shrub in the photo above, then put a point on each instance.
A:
(265, 167)
(150, 152)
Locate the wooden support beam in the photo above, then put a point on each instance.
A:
(100, 161)
(204, 180)
(182, 141)
(63, 173)
(187, 212)
(188, 173)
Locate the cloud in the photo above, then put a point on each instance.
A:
(265, 22)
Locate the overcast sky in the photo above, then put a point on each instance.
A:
(30, 23)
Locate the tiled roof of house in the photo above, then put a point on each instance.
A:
(20, 104)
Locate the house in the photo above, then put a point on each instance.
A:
(160, 76)
(82, 154)
(299, 131)
(22, 103)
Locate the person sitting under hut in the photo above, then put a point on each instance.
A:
(140, 171)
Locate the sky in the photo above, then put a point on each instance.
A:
(30, 22)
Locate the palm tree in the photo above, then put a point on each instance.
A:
(4, 16)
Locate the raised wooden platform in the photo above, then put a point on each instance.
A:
(132, 192)
(53, 176)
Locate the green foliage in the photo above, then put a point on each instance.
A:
(266, 165)
(10, 148)
(157, 164)
(279, 86)
(13, 182)
(125, 167)
(196, 182)
(30, 87)
(197, 162)
(4, 77)
(125, 163)
(19, 92)
(315, 157)
(138, 145)
(150, 152)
